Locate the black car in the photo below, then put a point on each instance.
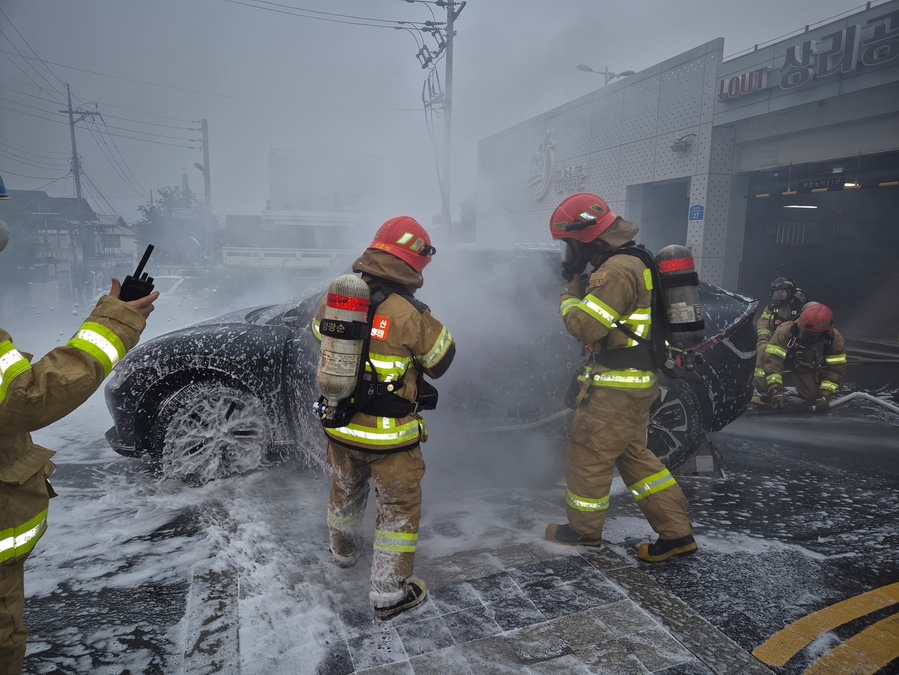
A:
(230, 394)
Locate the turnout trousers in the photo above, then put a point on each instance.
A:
(397, 480)
(806, 384)
(761, 386)
(13, 633)
(608, 432)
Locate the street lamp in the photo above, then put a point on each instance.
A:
(605, 72)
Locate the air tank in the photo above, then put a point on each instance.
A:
(680, 287)
(342, 340)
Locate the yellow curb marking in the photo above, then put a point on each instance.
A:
(785, 644)
(862, 654)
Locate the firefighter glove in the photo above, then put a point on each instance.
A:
(572, 268)
(822, 405)
(778, 399)
(577, 286)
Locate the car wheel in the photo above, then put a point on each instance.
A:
(209, 430)
(675, 425)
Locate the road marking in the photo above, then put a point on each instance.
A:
(862, 654)
(785, 644)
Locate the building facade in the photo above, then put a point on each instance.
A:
(322, 203)
(780, 161)
(61, 251)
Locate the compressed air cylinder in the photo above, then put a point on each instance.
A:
(680, 287)
(342, 341)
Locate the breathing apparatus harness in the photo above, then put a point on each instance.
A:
(371, 396)
(648, 354)
(796, 350)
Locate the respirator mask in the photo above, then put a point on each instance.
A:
(780, 297)
(575, 256)
(807, 338)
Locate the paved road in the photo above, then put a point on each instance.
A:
(139, 574)
(805, 517)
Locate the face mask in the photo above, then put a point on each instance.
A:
(807, 338)
(574, 259)
(780, 296)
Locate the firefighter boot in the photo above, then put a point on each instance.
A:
(416, 592)
(563, 534)
(666, 548)
(343, 560)
(761, 399)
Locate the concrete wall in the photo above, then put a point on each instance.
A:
(614, 142)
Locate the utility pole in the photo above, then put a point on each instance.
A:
(87, 248)
(446, 217)
(207, 190)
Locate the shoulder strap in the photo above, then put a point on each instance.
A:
(659, 315)
(380, 291)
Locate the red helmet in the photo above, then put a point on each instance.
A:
(406, 239)
(582, 217)
(816, 318)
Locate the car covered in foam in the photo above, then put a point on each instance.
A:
(234, 393)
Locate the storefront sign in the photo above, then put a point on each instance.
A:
(570, 178)
(821, 183)
(540, 171)
(744, 83)
(843, 51)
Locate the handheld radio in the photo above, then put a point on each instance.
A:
(140, 283)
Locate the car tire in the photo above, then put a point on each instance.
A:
(209, 430)
(675, 425)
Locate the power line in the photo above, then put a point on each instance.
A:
(25, 105)
(110, 105)
(311, 14)
(33, 52)
(133, 138)
(22, 112)
(32, 151)
(114, 162)
(21, 175)
(28, 161)
(39, 98)
(136, 182)
(51, 182)
(227, 96)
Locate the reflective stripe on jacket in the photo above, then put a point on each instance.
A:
(619, 292)
(780, 355)
(34, 395)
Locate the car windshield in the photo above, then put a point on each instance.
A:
(296, 312)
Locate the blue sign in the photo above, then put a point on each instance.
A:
(697, 212)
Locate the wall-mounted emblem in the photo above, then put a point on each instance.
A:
(540, 171)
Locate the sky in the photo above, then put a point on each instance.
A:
(265, 77)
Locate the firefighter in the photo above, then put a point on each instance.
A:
(786, 303)
(382, 440)
(814, 351)
(32, 396)
(619, 384)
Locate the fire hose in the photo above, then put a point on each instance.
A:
(867, 397)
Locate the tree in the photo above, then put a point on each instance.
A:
(176, 239)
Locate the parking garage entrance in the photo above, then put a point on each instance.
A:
(833, 227)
